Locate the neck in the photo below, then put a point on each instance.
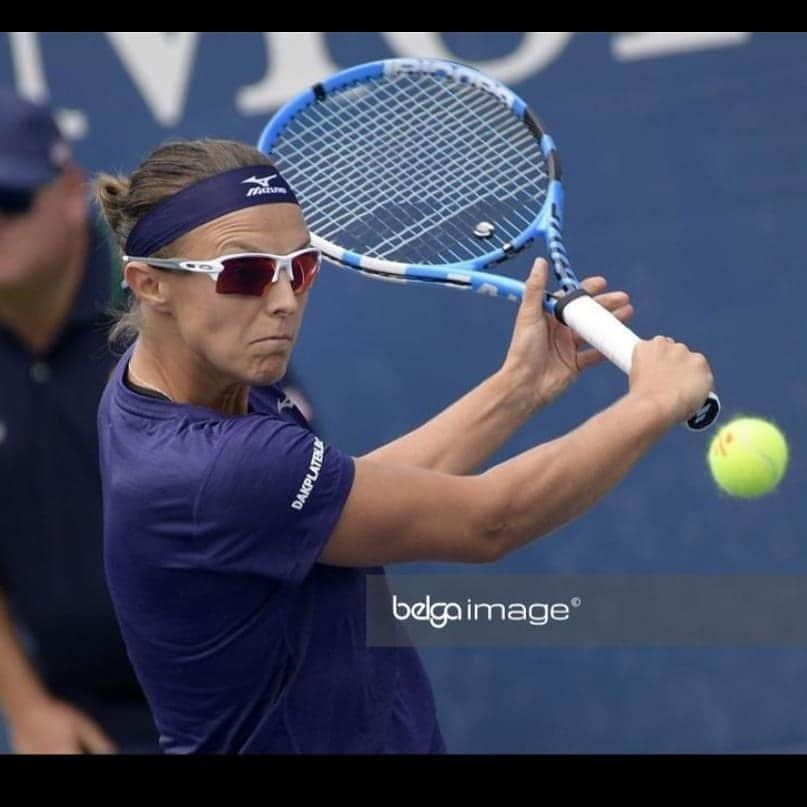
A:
(184, 378)
(37, 311)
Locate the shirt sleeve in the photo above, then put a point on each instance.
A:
(270, 500)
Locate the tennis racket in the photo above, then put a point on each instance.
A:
(428, 171)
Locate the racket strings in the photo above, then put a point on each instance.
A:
(443, 151)
(386, 182)
(399, 189)
(487, 156)
(414, 162)
(436, 180)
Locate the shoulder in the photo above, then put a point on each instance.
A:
(261, 440)
(281, 401)
(271, 456)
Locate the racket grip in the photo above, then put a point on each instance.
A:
(603, 331)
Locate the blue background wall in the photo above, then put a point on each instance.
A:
(686, 184)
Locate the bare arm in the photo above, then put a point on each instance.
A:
(463, 436)
(543, 359)
(20, 684)
(398, 513)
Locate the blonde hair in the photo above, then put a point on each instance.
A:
(172, 166)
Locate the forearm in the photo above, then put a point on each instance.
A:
(20, 684)
(397, 513)
(536, 492)
(463, 436)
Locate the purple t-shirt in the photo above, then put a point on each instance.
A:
(242, 642)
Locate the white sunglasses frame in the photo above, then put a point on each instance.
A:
(213, 267)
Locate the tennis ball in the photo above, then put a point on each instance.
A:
(748, 457)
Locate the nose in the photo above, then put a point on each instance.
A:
(280, 299)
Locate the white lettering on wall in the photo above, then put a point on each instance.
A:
(651, 44)
(160, 65)
(31, 83)
(295, 60)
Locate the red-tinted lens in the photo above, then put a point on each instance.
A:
(303, 270)
(251, 274)
(246, 276)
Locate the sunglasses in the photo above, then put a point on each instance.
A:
(248, 272)
(16, 201)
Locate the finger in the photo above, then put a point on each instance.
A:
(613, 299)
(624, 313)
(64, 749)
(532, 305)
(589, 358)
(93, 738)
(594, 285)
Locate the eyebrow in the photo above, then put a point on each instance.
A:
(242, 246)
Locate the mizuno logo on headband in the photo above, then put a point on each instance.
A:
(263, 185)
(262, 181)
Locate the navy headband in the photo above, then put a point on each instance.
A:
(204, 201)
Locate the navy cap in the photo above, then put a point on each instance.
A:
(32, 149)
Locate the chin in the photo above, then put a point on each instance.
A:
(270, 372)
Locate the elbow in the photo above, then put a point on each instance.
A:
(492, 528)
(491, 544)
(503, 521)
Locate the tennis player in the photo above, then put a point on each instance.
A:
(237, 543)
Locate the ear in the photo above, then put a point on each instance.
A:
(149, 285)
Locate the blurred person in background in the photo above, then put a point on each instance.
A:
(66, 684)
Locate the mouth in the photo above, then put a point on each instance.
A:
(280, 339)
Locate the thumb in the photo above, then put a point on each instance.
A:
(92, 737)
(532, 304)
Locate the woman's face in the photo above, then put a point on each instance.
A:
(244, 338)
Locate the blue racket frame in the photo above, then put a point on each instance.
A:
(574, 308)
(468, 275)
